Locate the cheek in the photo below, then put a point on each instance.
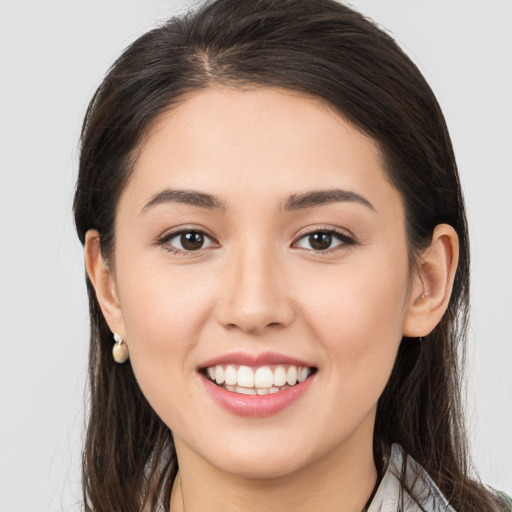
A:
(357, 315)
(164, 314)
(162, 307)
(358, 300)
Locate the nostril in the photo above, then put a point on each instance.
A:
(254, 300)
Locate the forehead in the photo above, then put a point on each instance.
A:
(256, 143)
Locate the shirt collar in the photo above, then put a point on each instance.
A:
(419, 494)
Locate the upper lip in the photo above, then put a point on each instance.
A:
(265, 358)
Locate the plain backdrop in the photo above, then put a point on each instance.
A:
(52, 57)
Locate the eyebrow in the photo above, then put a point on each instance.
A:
(294, 202)
(321, 197)
(190, 197)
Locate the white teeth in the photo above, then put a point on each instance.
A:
(303, 374)
(279, 376)
(245, 377)
(262, 381)
(291, 375)
(245, 391)
(219, 374)
(230, 376)
(263, 378)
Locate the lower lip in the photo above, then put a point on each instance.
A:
(256, 405)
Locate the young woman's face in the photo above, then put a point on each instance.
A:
(258, 241)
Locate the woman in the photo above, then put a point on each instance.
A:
(275, 238)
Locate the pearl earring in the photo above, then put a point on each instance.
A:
(120, 350)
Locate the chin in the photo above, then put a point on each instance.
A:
(261, 467)
(271, 456)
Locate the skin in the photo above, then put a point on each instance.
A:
(258, 285)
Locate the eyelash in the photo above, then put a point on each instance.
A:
(343, 238)
(165, 239)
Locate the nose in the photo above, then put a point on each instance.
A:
(255, 295)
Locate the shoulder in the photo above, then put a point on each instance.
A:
(407, 486)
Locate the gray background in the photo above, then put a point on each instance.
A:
(52, 57)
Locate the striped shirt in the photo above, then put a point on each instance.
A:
(391, 495)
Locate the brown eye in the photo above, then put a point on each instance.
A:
(192, 240)
(320, 241)
(324, 240)
(186, 241)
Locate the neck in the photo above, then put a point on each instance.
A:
(343, 480)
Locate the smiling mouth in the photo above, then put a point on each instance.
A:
(257, 380)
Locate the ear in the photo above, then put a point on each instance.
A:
(103, 281)
(432, 283)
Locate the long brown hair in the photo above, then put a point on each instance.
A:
(324, 49)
